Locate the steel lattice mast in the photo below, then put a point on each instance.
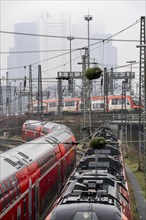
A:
(142, 83)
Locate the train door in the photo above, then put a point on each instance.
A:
(19, 212)
(30, 199)
(63, 171)
(59, 177)
(128, 106)
(36, 201)
(115, 104)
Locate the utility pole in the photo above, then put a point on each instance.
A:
(130, 79)
(59, 107)
(88, 18)
(142, 86)
(124, 119)
(20, 99)
(40, 95)
(1, 98)
(70, 81)
(86, 95)
(30, 90)
(106, 89)
(8, 95)
(130, 87)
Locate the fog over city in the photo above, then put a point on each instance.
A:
(120, 19)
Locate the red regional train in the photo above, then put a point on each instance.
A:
(32, 175)
(98, 188)
(97, 104)
(32, 129)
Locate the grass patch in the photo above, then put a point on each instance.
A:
(139, 174)
(134, 211)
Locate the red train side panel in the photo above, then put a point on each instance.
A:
(33, 174)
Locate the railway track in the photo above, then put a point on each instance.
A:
(79, 155)
(6, 144)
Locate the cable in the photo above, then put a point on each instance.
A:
(107, 39)
(64, 37)
(34, 51)
(39, 61)
(125, 65)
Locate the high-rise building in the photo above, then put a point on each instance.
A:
(53, 60)
(23, 54)
(24, 46)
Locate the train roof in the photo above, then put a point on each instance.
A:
(107, 150)
(15, 159)
(83, 186)
(26, 153)
(91, 193)
(32, 124)
(65, 99)
(52, 126)
(110, 97)
(9, 166)
(103, 161)
(85, 211)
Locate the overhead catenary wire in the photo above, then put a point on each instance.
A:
(76, 38)
(58, 50)
(28, 34)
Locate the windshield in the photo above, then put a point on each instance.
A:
(136, 101)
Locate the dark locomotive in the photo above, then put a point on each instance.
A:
(98, 188)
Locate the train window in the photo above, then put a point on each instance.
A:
(98, 105)
(52, 104)
(1, 193)
(24, 207)
(19, 212)
(120, 101)
(2, 199)
(39, 162)
(128, 103)
(95, 106)
(123, 101)
(35, 108)
(10, 189)
(136, 101)
(114, 101)
(5, 190)
(69, 103)
(15, 185)
(102, 105)
(81, 106)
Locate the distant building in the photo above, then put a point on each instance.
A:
(104, 55)
(21, 55)
(54, 47)
(22, 44)
(104, 52)
(13, 101)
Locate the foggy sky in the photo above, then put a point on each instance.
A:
(108, 17)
